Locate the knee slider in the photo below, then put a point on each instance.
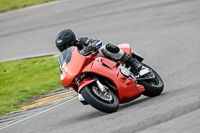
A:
(112, 48)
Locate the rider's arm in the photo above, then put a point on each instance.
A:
(88, 45)
(82, 42)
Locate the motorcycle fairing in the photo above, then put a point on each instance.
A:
(126, 87)
(73, 68)
(84, 83)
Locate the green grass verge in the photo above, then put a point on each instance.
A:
(8, 5)
(23, 79)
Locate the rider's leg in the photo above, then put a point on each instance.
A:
(115, 53)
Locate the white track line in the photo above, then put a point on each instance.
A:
(37, 113)
(24, 9)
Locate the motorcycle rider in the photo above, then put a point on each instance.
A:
(66, 38)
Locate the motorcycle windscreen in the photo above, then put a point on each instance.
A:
(65, 58)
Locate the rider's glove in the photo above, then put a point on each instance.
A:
(93, 46)
(96, 44)
(90, 45)
(90, 48)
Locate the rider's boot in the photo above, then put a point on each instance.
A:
(134, 63)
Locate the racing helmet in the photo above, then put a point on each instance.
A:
(65, 39)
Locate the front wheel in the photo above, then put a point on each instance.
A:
(107, 103)
(153, 87)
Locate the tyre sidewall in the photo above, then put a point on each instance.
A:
(151, 90)
(98, 104)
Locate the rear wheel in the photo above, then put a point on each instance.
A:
(106, 102)
(153, 87)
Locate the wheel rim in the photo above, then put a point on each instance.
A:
(104, 96)
(154, 81)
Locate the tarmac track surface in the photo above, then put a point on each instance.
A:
(165, 32)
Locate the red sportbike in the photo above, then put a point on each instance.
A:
(103, 83)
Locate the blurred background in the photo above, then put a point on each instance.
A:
(165, 32)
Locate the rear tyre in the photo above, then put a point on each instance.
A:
(107, 105)
(153, 87)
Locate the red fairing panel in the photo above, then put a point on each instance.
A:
(74, 67)
(84, 83)
(126, 48)
(127, 89)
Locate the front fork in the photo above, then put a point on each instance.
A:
(102, 88)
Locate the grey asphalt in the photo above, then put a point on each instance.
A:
(165, 32)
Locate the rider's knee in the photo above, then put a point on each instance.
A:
(113, 52)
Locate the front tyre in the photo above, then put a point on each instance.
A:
(153, 87)
(107, 104)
